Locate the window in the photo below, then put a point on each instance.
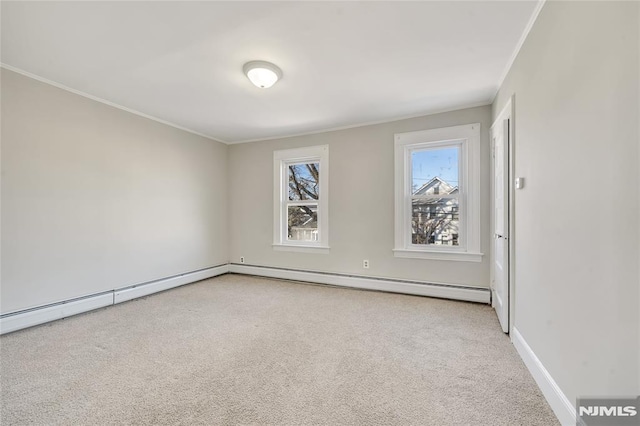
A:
(437, 185)
(301, 199)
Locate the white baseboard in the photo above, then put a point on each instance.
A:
(455, 292)
(58, 311)
(560, 404)
(40, 315)
(122, 295)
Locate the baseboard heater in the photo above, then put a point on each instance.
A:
(39, 315)
(443, 291)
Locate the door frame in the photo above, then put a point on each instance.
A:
(508, 111)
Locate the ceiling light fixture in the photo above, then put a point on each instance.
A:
(262, 74)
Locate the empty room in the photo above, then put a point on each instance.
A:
(320, 213)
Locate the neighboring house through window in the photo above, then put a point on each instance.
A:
(437, 185)
(301, 199)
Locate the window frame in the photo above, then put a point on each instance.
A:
(282, 159)
(467, 138)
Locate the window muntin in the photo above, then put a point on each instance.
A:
(300, 197)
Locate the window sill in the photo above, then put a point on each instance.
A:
(301, 248)
(459, 256)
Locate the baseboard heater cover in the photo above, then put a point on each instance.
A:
(40, 315)
(444, 291)
(133, 292)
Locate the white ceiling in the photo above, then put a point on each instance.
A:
(344, 63)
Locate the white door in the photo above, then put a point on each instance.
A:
(500, 263)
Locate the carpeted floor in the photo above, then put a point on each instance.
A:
(243, 350)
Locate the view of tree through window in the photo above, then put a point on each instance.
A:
(434, 196)
(302, 208)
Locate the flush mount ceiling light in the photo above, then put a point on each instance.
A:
(262, 74)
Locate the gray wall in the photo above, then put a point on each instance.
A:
(360, 203)
(95, 198)
(577, 220)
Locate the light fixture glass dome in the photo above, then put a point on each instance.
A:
(262, 74)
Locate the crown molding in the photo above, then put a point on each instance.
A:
(368, 123)
(516, 51)
(106, 102)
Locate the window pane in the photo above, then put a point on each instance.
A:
(435, 221)
(302, 223)
(435, 171)
(304, 181)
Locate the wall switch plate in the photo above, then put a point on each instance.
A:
(519, 183)
(365, 264)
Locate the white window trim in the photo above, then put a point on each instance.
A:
(281, 159)
(469, 135)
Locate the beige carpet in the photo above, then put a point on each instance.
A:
(242, 350)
